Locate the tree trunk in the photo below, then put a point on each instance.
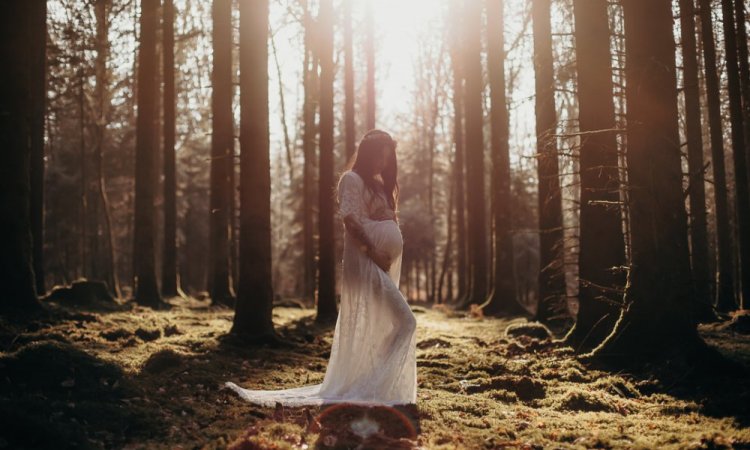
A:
(169, 286)
(475, 154)
(282, 104)
(696, 189)
(326, 243)
(725, 297)
(308, 150)
(458, 164)
(602, 244)
(222, 151)
(502, 300)
(254, 306)
(655, 319)
(146, 289)
(742, 196)
(370, 54)
(744, 62)
(22, 24)
(551, 270)
(448, 246)
(83, 176)
(349, 123)
(102, 96)
(38, 93)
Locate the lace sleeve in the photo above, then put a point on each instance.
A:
(350, 196)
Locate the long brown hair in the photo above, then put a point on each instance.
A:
(363, 162)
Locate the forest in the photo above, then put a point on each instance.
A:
(573, 195)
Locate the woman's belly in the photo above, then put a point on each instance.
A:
(385, 235)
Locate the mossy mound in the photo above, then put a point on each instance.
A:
(52, 395)
(163, 360)
(533, 330)
(525, 388)
(740, 322)
(82, 293)
(588, 401)
(617, 386)
(148, 334)
(57, 367)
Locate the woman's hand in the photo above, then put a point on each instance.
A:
(380, 258)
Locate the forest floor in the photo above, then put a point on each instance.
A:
(122, 376)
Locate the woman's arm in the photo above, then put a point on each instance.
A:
(357, 231)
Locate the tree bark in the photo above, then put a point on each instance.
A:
(350, 139)
(370, 54)
(502, 299)
(475, 154)
(21, 24)
(725, 297)
(744, 63)
(254, 306)
(102, 95)
(601, 240)
(551, 270)
(696, 189)
(169, 285)
(655, 319)
(310, 72)
(222, 152)
(282, 104)
(38, 92)
(459, 163)
(742, 196)
(326, 243)
(146, 289)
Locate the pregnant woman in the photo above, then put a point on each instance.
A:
(373, 357)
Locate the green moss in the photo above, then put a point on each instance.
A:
(92, 380)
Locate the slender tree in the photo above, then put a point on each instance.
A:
(475, 153)
(22, 24)
(744, 63)
(725, 297)
(502, 299)
(601, 240)
(696, 190)
(741, 194)
(254, 306)
(146, 289)
(222, 151)
(38, 94)
(349, 123)
(551, 273)
(655, 319)
(101, 12)
(326, 249)
(370, 54)
(169, 285)
(310, 81)
(459, 158)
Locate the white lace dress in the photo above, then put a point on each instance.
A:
(373, 357)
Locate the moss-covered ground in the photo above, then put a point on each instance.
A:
(123, 376)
